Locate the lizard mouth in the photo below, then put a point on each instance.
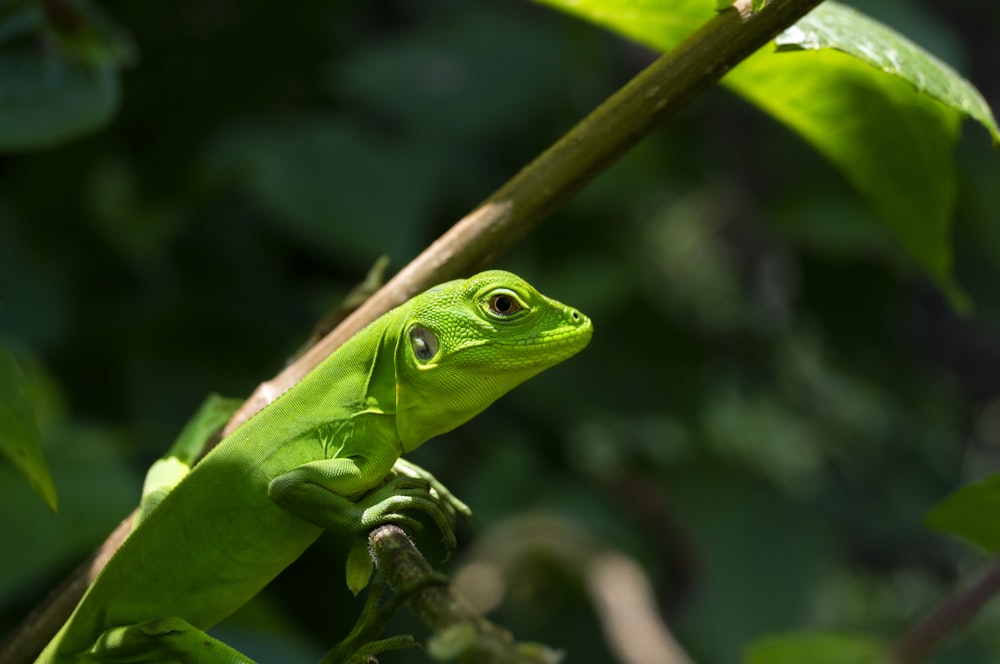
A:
(551, 347)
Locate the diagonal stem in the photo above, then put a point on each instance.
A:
(946, 618)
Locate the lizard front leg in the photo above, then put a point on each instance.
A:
(324, 493)
(321, 493)
(439, 490)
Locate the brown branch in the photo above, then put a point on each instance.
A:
(457, 630)
(532, 545)
(24, 643)
(499, 223)
(950, 615)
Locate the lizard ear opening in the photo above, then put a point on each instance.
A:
(424, 343)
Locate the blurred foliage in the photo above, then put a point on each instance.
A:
(971, 512)
(773, 400)
(833, 650)
(59, 63)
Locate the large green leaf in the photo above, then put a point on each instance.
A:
(58, 73)
(895, 151)
(660, 24)
(832, 25)
(816, 649)
(890, 135)
(20, 441)
(972, 512)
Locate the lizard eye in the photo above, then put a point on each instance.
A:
(424, 343)
(502, 304)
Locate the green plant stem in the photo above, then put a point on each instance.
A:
(951, 614)
(496, 225)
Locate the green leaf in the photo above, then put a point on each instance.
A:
(836, 26)
(659, 24)
(359, 565)
(211, 416)
(19, 437)
(58, 73)
(891, 136)
(972, 513)
(895, 149)
(816, 649)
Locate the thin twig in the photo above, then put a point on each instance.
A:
(950, 615)
(499, 223)
(458, 630)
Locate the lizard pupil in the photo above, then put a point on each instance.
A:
(503, 304)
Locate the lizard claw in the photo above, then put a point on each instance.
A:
(406, 468)
(386, 504)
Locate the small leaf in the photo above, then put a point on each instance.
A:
(972, 512)
(359, 565)
(816, 649)
(19, 437)
(211, 416)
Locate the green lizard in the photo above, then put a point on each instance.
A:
(324, 455)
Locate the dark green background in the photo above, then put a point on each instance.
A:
(773, 398)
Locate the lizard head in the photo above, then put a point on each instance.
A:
(466, 343)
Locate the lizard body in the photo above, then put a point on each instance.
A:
(324, 455)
